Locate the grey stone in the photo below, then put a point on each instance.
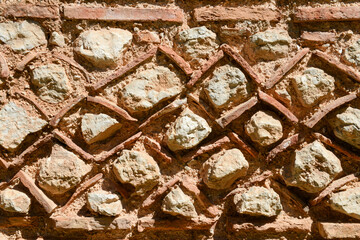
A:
(16, 124)
(12, 200)
(347, 202)
(57, 39)
(352, 53)
(104, 203)
(222, 169)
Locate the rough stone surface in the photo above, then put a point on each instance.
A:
(197, 44)
(138, 169)
(103, 47)
(62, 171)
(313, 86)
(270, 44)
(148, 88)
(187, 131)
(22, 36)
(347, 202)
(57, 39)
(12, 200)
(264, 128)
(313, 167)
(104, 203)
(228, 83)
(258, 201)
(222, 169)
(346, 126)
(98, 127)
(176, 202)
(352, 53)
(22, 124)
(52, 82)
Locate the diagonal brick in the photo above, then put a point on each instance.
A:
(156, 147)
(56, 119)
(73, 63)
(291, 141)
(27, 59)
(327, 14)
(185, 66)
(36, 105)
(235, 138)
(30, 10)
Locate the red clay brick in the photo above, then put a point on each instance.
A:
(200, 106)
(124, 222)
(326, 14)
(318, 37)
(56, 119)
(30, 10)
(235, 138)
(339, 230)
(291, 141)
(26, 60)
(284, 69)
(156, 147)
(36, 105)
(4, 164)
(236, 14)
(185, 66)
(146, 37)
(123, 14)
(72, 63)
(4, 69)
(147, 223)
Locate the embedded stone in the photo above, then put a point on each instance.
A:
(187, 131)
(176, 203)
(270, 44)
(57, 39)
(22, 36)
(346, 126)
(98, 127)
(264, 128)
(149, 87)
(16, 124)
(313, 86)
(138, 169)
(52, 82)
(104, 47)
(258, 201)
(104, 203)
(62, 171)
(352, 53)
(197, 44)
(313, 167)
(12, 200)
(228, 83)
(222, 169)
(347, 202)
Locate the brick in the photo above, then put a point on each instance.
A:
(317, 116)
(185, 66)
(327, 14)
(235, 138)
(200, 106)
(284, 69)
(28, 221)
(273, 102)
(318, 37)
(339, 230)
(291, 141)
(73, 63)
(147, 223)
(335, 185)
(4, 164)
(120, 111)
(36, 105)
(120, 189)
(146, 37)
(124, 14)
(27, 59)
(4, 69)
(124, 222)
(56, 119)
(338, 65)
(236, 112)
(30, 10)
(156, 147)
(236, 14)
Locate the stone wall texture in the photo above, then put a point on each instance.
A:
(177, 119)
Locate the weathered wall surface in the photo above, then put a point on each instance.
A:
(179, 119)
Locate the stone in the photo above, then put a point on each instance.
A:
(197, 44)
(270, 44)
(352, 53)
(313, 86)
(222, 169)
(98, 127)
(57, 39)
(347, 202)
(313, 167)
(176, 203)
(138, 169)
(346, 126)
(187, 131)
(52, 82)
(104, 203)
(103, 48)
(22, 36)
(149, 87)
(16, 124)
(264, 127)
(228, 83)
(62, 171)
(12, 200)
(258, 201)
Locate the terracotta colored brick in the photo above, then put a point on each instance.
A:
(185, 66)
(147, 223)
(335, 185)
(73, 63)
(36, 105)
(30, 10)
(199, 105)
(4, 164)
(156, 147)
(146, 37)
(235, 138)
(317, 116)
(124, 14)
(4, 69)
(284, 69)
(291, 141)
(236, 14)
(56, 119)
(318, 37)
(124, 222)
(327, 14)
(26, 60)
(339, 230)
(236, 112)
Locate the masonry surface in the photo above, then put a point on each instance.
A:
(179, 119)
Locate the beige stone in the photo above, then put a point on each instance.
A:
(104, 203)
(57, 39)
(347, 202)
(12, 200)
(352, 53)
(177, 203)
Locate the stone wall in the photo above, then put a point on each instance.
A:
(179, 119)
